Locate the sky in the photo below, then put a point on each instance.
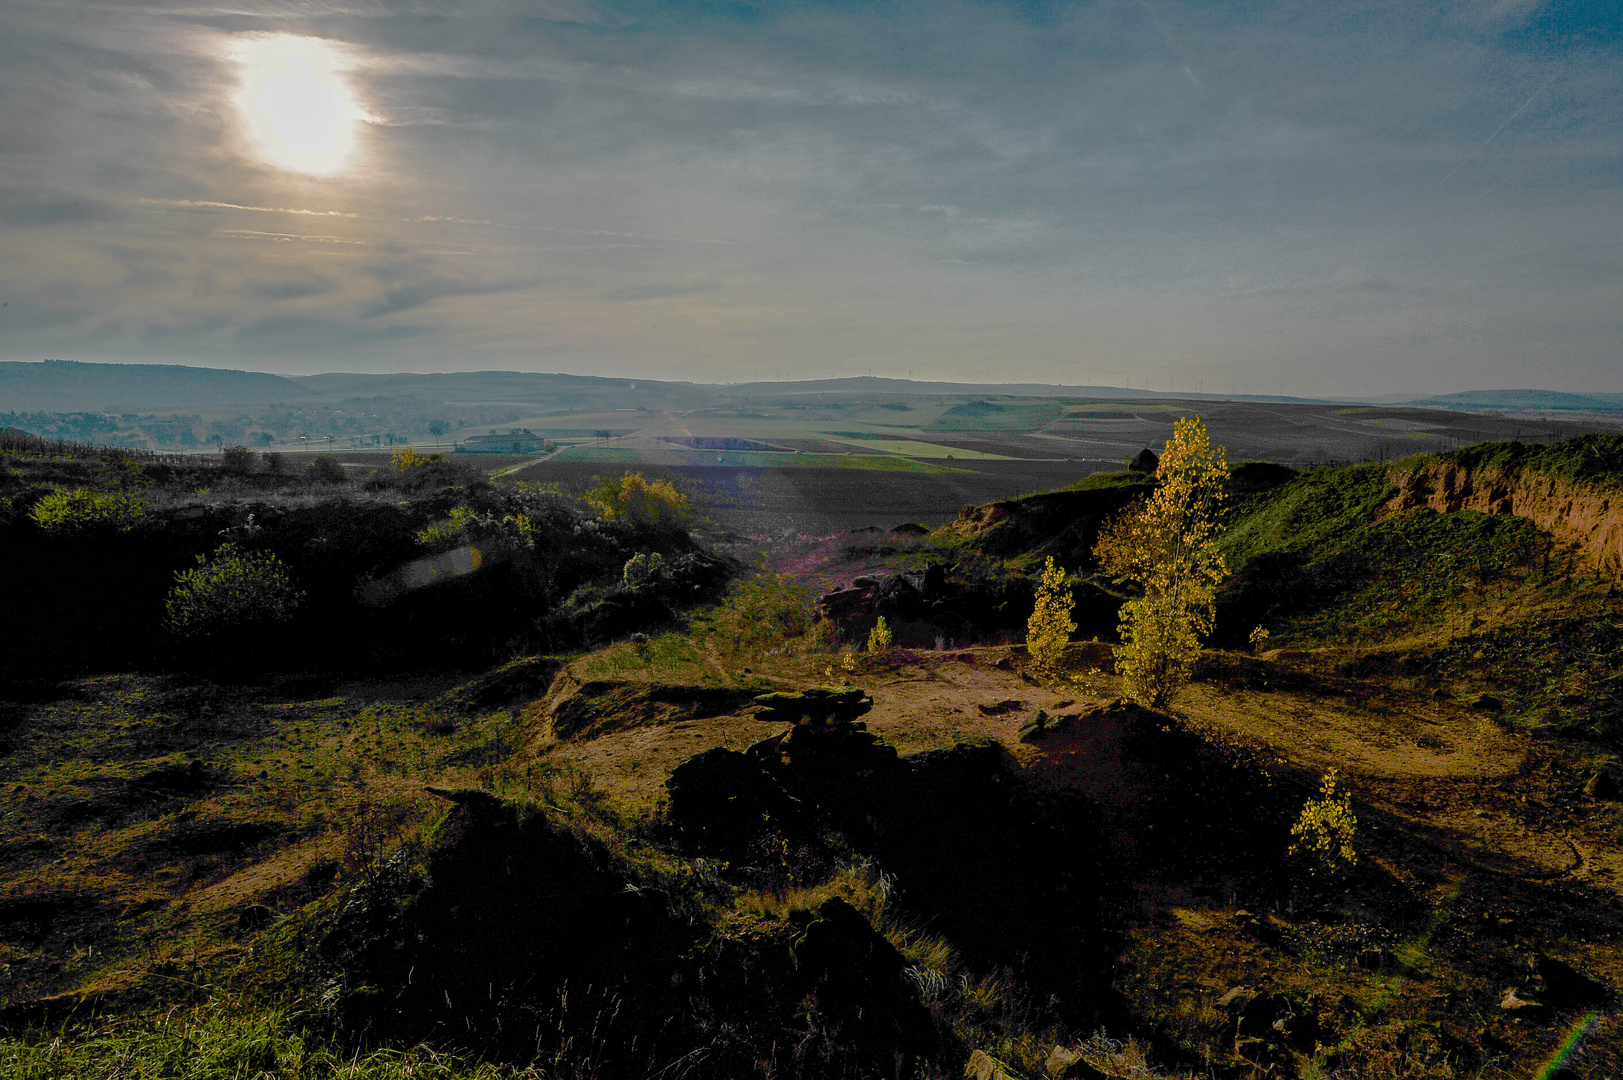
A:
(1302, 198)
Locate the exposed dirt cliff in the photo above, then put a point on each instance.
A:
(1589, 518)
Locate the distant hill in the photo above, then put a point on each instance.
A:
(868, 385)
(70, 386)
(584, 393)
(1538, 400)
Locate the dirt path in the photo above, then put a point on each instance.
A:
(1456, 778)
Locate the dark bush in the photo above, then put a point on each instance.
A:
(327, 470)
(237, 460)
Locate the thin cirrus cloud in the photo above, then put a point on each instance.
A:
(1356, 198)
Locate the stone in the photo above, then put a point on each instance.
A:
(255, 917)
(1259, 1015)
(818, 704)
(1514, 1004)
(1603, 786)
(1565, 987)
(983, 1066)
(476, 797)
(719, 799)
(1371, 959)
(1066, 1064)
(858, 979)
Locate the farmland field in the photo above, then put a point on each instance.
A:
(769, 459)
(769, 501)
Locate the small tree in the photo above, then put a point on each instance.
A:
(229, 589)
(1323, 835)
(1167, 547)
(638, 501)
(880, 639)
(437, 428)
(1050, 627)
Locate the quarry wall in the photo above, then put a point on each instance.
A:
(1583, 515)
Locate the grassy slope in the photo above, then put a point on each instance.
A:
(1592, 459)
(1312, 516)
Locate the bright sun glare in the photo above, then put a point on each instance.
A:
(300, 112)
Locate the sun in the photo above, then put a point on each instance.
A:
(301, 114)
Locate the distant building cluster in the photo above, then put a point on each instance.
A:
(516, 441)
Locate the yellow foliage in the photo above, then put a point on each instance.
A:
(1049, 629)
(1259, 639)
(71, 510)
(1323, 835)
(879, 638)
(229, 589)
(1167, 547)
(639, 501)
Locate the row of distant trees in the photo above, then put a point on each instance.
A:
(264, 428)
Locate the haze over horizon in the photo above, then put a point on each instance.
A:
(1308, 199)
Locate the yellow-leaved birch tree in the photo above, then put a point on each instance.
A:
(1167, 547)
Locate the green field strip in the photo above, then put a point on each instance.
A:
(747, 458)
(910, 448)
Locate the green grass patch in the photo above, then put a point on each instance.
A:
(227, 1040)
(1594, 459)
(1314, 515)
(1109, 481)
(1412, 572)
(1562, 674)
(749, 459)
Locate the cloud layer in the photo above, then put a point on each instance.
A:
(1300, 198)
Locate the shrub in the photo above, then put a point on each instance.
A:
(406, 458)
(880, 638)
(237, 459)
(1323, 834)
(642, 569)
(1049, 629)
(72, 510)
(1258, 639)
(410, 471)
(763, 610)
(326, 470)
(638, 501)
(455, 527)
(228, 589)
(512, 531)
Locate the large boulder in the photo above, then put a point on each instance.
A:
(1565, 987)
(862, 994)
(722, 800)
(819, 705)
(1145, 461)
(475, 943)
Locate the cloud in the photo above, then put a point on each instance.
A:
(951, 187)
